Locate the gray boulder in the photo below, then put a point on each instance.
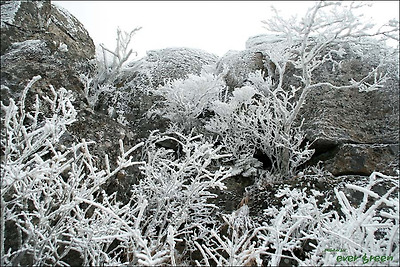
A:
(133, 97)
(176, 63)
(363, 159)
(237, 65)
(38, 38)
(353, 132)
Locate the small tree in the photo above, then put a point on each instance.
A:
(108, 70)
(318, 38)
(270, 123)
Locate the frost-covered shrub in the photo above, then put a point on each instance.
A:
(365, 229)
(307, 231)
(178, 186)
(186, 100)
(54, 210)
(257, 118)
(45, 187)
(108, 70)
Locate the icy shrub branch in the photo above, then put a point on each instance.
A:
(44, 184)
(319, 37)
(107, 71)
(186, 100)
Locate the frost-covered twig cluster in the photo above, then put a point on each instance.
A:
(186, 100)
(319, 37)
(238, 245)
(107, 71)
(178, 186)
(45, 186)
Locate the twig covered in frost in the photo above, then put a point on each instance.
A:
(309, 42)
(187, 99)
(363, 229)
(43, 185)
(108, 71)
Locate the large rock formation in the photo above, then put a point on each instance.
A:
(353, 132)
(38, 38)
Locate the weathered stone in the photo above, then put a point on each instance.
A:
(174, 63)
(334, 118)
(349, 116)
(41, 20)
(38, 38)
(237, 65)
(363, 159)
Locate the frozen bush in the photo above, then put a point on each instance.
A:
(107, 71)
(186, 100)
(257, 118)
(44, 186)
(53, 203)
(178, 186)
(360, 229)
